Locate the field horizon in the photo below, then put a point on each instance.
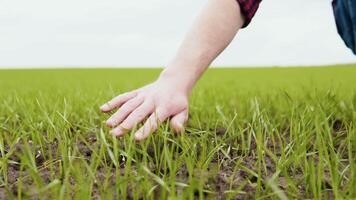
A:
(50, 67)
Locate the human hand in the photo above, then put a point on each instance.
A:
(163, 99)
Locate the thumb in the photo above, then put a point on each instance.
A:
(178, 120)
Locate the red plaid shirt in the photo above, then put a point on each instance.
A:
(248, 9)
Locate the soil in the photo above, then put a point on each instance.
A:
(218, 180)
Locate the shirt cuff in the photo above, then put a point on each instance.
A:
(248, 9)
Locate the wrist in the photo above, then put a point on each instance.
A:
(182, 79)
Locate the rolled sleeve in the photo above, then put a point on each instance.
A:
(248, 9)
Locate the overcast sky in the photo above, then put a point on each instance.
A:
(45, 33)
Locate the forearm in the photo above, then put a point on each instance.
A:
(211, 33)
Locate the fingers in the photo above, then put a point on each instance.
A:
(134, 118)
(151, 124)
(124, 111)
(177, 121)
(117, 101)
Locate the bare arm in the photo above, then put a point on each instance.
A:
(212, 31)
(210, 34)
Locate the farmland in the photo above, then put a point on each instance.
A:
(267, 133)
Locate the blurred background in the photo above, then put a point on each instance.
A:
(122, 33)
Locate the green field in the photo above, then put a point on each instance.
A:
(266, 133)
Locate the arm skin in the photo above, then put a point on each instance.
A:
(168, 96)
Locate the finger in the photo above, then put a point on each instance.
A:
(151, 124)
(118, 131)
(134, 118)
(124, 111)
(117, 101)
(177, 121)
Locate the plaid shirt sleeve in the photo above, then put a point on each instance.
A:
(248, 9)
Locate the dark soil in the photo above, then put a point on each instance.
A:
(218, 180)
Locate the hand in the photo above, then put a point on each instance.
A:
(158, 101)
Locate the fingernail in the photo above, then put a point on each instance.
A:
(138, 136)
(104, 107)
(179, 125)
(112, 132)
(110, 122)
(116, 132)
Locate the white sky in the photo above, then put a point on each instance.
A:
(45, 33)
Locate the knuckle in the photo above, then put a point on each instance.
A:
(178, 102)
(116, 99)
(124, 110)
(125, 127)
(139, 115)
(130, 106)
(134, 117)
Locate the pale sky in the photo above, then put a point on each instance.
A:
(66, 33)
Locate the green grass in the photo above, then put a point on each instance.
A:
(280, 133)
